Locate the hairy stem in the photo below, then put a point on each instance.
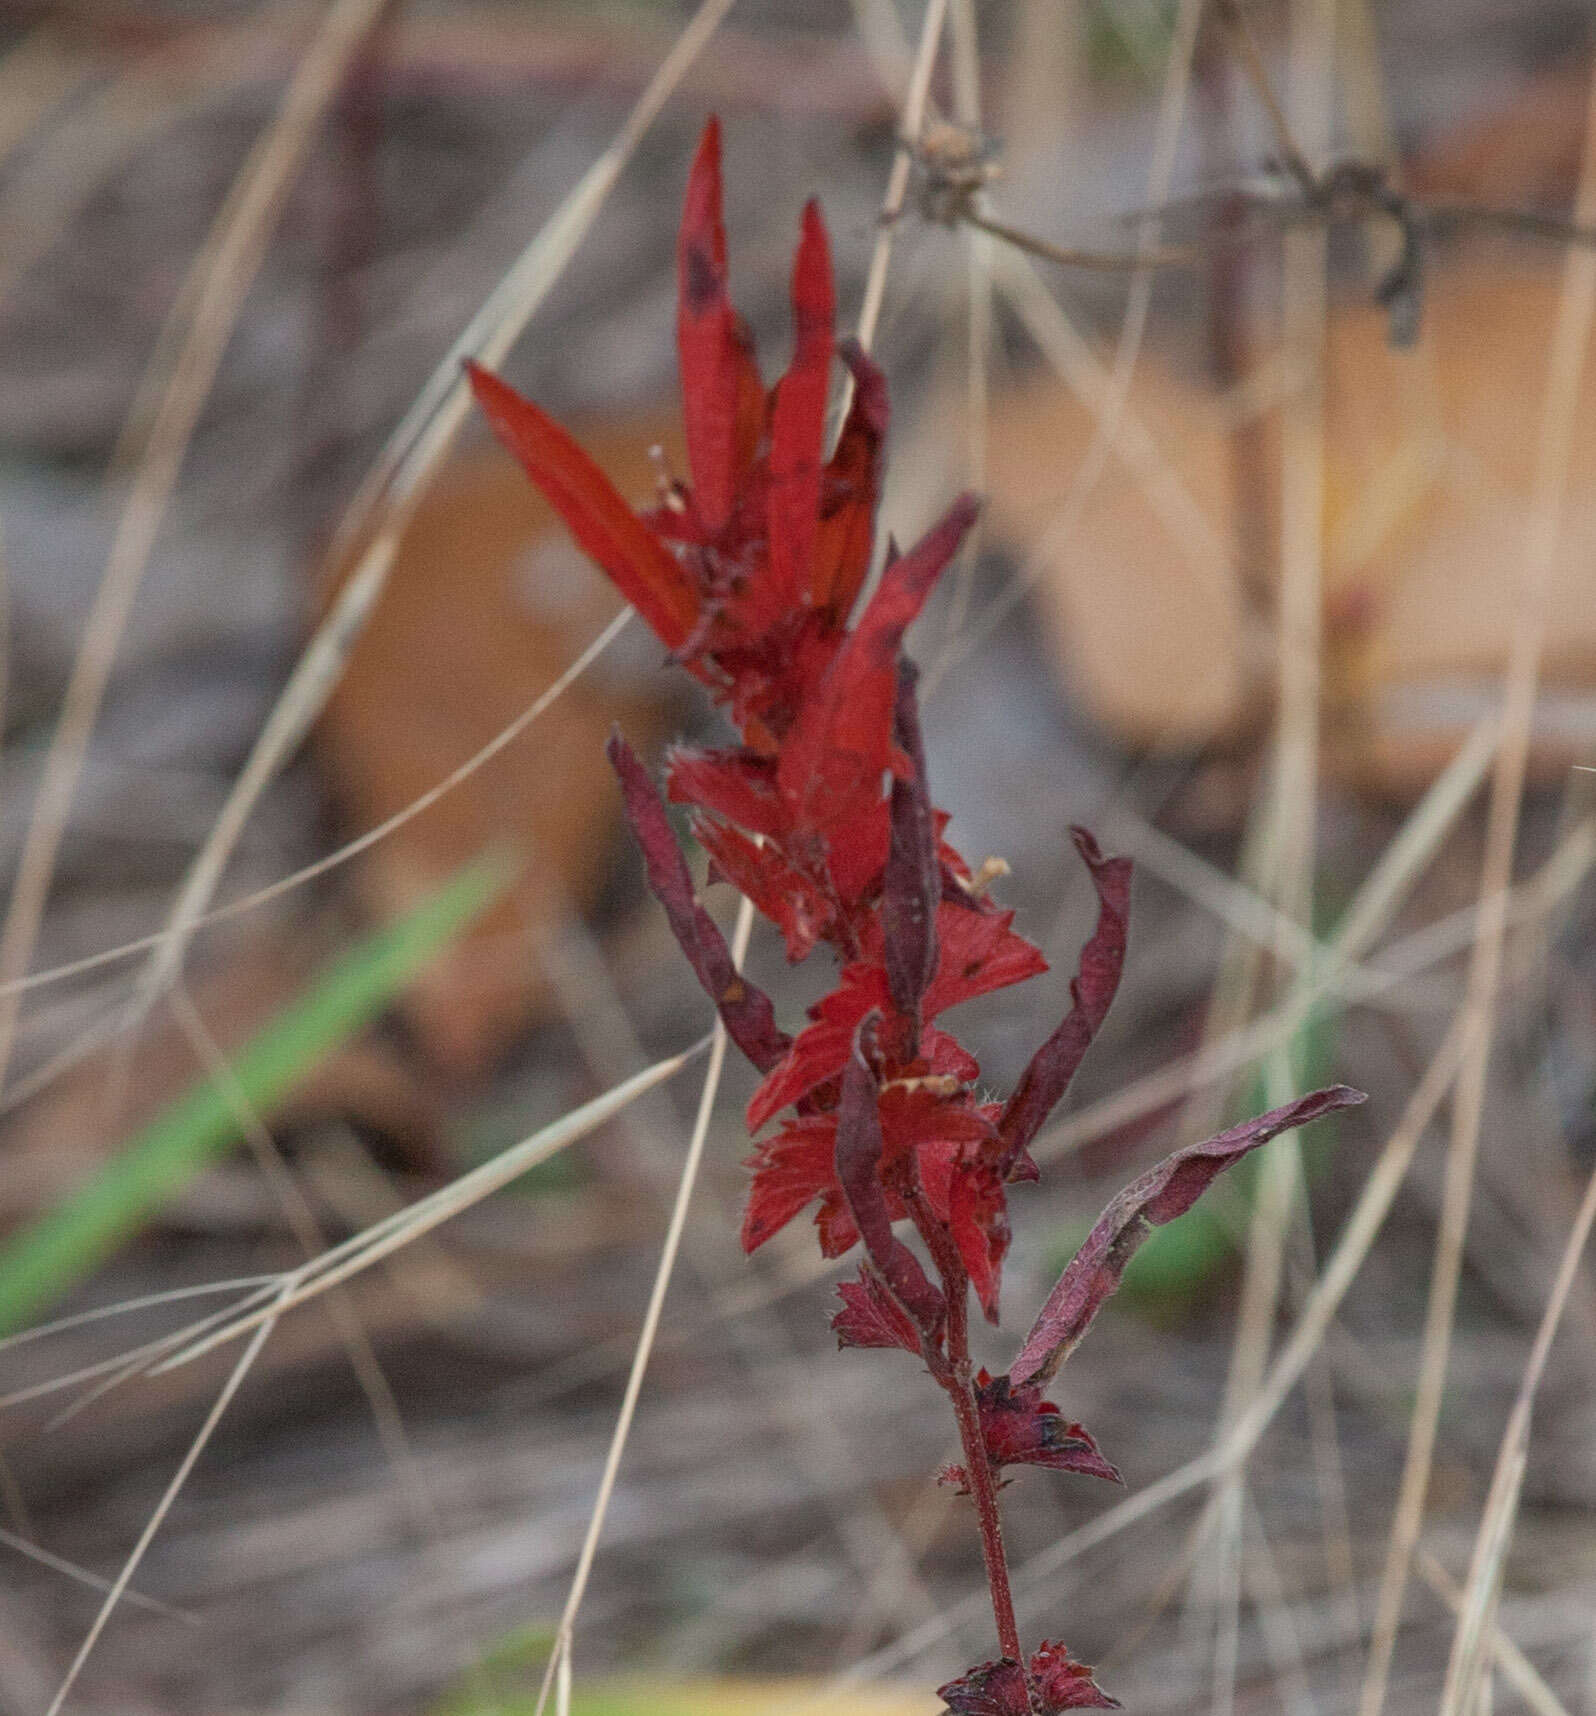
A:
(952, 1372)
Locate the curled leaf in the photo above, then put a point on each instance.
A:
(745, 1010)
(1044, 1082)
(859, 1170)
(849, 492)
(1161, 1194)
(912, 884)
(1020, 1428)
(989, 1689)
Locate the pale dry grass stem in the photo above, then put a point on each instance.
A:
(1566, 362)
(376, 519)
(222, 273)
(1471, 1645)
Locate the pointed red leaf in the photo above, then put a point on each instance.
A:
(838, 748)
(989, 1689)
(722, 399)
(1043, 1083)
(736, 785)
(1020, 1428)
(912, 882)
(979, 953)
(1161, 1194)
(859, 1170)
(798, 418)
(605, 527)
(790, 1171)
(870, 1317)
(745, 1010)
(849, 492)
(779, 889)
(978, 1216)
(1058, 1683)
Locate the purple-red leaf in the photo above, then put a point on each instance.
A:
(989, 1689)
(1161, 1194)
(1058, 1683)
(798, 418)
(1020, 1428)
(858, 1162)
(912, 883)
(871, 1317)
(722, 399)
(1047, 1078)
(745, 1011)
(834, 755)
(605, 527)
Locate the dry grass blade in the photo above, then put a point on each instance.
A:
(1520, 1673)
(235, 1378)
(379, 513)
(312, 1241)
(222, 274)
(913, 119)
(560, 1659)
(506, 736)
(349, 1257)
(1570, 341)
(1470, 1645)
(82, 1576)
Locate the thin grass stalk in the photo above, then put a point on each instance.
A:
(224, 270)
(389, 498)
(506, 736)
(1569, 344)
(1471, 1643)
(240, 1370)
(565, 1632)
(1517, 1669)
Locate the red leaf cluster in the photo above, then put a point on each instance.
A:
(1051, 1682)
(821, 815)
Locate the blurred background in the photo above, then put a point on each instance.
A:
(1285, 577)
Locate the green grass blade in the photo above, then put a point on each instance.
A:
(47, 1258)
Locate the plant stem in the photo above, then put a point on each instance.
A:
(952, 1372)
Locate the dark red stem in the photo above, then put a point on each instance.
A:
(952, 1371)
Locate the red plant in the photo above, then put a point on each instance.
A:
(822, 817)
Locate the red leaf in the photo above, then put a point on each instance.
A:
(790, 1170)
(849, 493)
(1020, 1428)
(870, 1318)
(912, 882)
(1060, 1683)
(978, 954)
(839, 746)
(978, 1217)
(722, 398)
(745, 1010)
(989, 1689)
(605, 527)
(1161, 1194)
(782, 892)
(820, 1051)
(798, 417)
(859, 1170)
(1047, 1078)
(737, 785)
